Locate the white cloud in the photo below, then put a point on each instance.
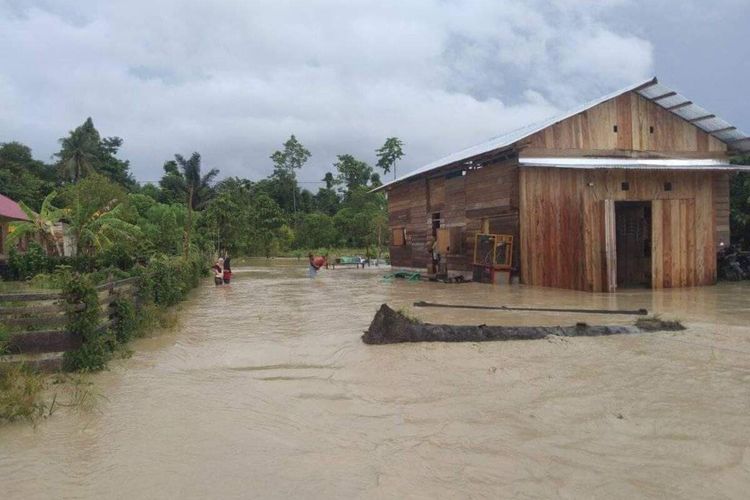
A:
(233, 79)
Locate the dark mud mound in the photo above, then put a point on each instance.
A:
(658, 325)
(391, 327)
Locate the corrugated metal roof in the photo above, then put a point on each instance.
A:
(9, 210)
(632, 163)
(650, 89)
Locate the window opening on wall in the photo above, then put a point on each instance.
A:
(435, 223)
(625, 186)
(398, 237)
(667, 186)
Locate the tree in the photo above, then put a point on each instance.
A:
(316, 231)
(40, 226)
(151, 191)
(285, 163)
(225, 216)
(352, 172)
(23, 178)
(389, 153)
(161, 224)
(291, 158)
(183, 179)
(266, 218)
(326, 201)
(98, 215)
(84, 152)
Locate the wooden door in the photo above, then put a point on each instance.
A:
(674, 261)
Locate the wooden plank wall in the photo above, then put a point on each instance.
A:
(563, 237)
(721, 207)
(462, 201)
(407, 208)
(593, 130)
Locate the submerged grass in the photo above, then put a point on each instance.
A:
(21, 394)
(27, 395)
(152, 318)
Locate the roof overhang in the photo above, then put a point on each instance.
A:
(10, 211)
(631, 163)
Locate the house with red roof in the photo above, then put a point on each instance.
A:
(9, 212)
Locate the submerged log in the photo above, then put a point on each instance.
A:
(391, 327)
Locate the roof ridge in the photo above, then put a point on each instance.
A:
(511, 137)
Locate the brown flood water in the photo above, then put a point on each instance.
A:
(266, 391)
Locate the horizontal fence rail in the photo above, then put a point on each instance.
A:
(42, 316)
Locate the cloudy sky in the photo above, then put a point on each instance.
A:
(233, 79)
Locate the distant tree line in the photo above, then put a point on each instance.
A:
(93, 190)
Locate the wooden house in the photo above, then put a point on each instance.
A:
(631, 189)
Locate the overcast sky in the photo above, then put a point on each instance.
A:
(233, 79)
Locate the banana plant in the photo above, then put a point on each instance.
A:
(40, 226)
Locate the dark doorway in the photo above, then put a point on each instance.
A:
(435, 223)
(633, 231)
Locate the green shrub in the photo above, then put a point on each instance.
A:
(104, 275)
(116, 257)
(98, 344)
(125, 320)
(26, 265)
(166, 280)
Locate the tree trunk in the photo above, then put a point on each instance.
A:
(391, 327)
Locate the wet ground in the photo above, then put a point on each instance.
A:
(265, 390)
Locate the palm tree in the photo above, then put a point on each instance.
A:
(79, 151)
(196, 188)
(40, 226)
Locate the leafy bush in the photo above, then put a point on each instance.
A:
(26, 265)
(125, 320)
(78, 263)
(115, 256)
(107, 274)
(98, 344)
(166, 280)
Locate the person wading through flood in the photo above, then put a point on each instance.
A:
(218, 270)
(227, 274)
(315, 264)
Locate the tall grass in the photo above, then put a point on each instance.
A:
(21, 393)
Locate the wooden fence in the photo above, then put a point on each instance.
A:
(36, 321)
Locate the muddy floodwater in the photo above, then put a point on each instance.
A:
(265, 390)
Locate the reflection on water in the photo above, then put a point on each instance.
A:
(266, 390)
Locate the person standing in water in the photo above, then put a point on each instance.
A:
(314, 266)
(218, 270)
(227, 274)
